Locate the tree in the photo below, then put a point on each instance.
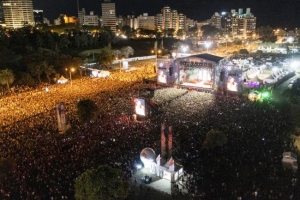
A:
(127, 30)
(36, 69)
(259, 53)
(209, 31)
(106, 36)
(77, 62)
(127, 51)
(105, 183)
(180, 33)
(26, 79)
(192, 31)
(64, 42)
(48, 70)
(77, 40)
(266, 34)
(243, 51)
(106, 57)
(87, 110)
(7, 77)
(214, 138)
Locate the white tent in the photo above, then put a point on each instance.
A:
(62, 80)
(100, 73)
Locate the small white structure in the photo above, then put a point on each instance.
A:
(147, 156)
(289, 160)
(164, 169)
(62, 80)
(100, 73)
(169, 169)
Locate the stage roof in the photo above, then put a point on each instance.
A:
(207, 56)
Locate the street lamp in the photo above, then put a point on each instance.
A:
(207, 44)
(70, 73)
(226, 41)
(156, 52)
(121, 63)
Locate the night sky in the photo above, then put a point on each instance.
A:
(276, 13)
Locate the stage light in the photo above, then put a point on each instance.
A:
(265, 94)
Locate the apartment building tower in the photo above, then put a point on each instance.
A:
(146, 22)
(109, 15)
(243, 24)
(38, 16)
(18, 13)
(167, 17)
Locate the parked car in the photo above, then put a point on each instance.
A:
(146, 179)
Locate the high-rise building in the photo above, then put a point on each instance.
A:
(167, 17)
(181, 21)
(216, 20)
(131, 21)
(18, 13)
(87, 20)
(146, 22)
(243, 24)
(159, 21)
(38, 17)
(170, 19)
(109, 15)
(81, 14)
(175, 20)
(226, 22)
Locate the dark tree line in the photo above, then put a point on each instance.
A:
(35, 56)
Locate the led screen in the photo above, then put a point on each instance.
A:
(232, 84)
(140, 106)
(162, 76)
(198, 77)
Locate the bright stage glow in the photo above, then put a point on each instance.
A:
(295, 64)
(138, 166)
(199, 77)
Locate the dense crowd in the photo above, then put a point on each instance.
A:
(47, 163)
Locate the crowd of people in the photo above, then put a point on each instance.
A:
(249, 166)
(47, 163)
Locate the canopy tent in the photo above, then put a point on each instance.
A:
(62, 80)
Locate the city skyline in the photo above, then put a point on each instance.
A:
(278, 14)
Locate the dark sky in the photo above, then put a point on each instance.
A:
(276, 13)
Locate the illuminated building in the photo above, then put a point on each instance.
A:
(38, 17)
(181, 21)
(167, 17)
(131, 21)
(64, 19)
(238, 24)
(109, 15)
(18, 13)
(243, 24)
(87, 20)
(216, 20)
(146, 22)
(159, 21)
(174, 19)
(170, 19)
